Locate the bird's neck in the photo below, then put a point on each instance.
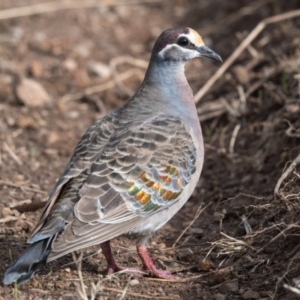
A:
(169, 86)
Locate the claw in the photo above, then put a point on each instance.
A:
(150, 267)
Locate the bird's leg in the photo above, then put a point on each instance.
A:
(112, 265)
(149, 265)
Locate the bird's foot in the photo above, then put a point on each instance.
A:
(150, 267)
(162, 274)
(113, 268)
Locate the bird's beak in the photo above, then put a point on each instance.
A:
(207, 52)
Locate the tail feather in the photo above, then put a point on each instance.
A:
(30, 261)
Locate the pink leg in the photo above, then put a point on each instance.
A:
(112, 265)
(149, 265)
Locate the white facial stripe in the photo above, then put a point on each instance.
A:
(187, 54)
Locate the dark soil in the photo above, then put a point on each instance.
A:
(216, 257)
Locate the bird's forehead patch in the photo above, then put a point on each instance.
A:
(195, 38)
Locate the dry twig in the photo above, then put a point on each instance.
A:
(283, 232)
(9, 219)
(53, 6)
(233, 137)
(292, 131)
(198, 213)
(229, 245)
(12, 154)
(292, 289)
(101, 87)
(286, 174)
(29, 207)
(22, 187)
(141, 296)
(81, 287)
(129, 60)
(249, 39)
(246, 224)
(229, 19)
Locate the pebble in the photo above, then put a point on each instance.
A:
(6, 211)
(31, 93)
(230, 287)
(134, 282)
(219, 297)
(250, 294)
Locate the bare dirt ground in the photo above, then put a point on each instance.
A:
(245, 243)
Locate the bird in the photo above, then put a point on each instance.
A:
(131, 171)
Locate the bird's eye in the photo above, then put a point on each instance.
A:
(183, 41)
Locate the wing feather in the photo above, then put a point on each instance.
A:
(120, 174)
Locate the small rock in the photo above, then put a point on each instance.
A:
(185, 254)
(51, 152)
(205, 265)
(6, 211)
(17, 33)
(70, 64)
(196, 231)
(31, 93)
(81, 78)
(26, 122)
(232, 286)
(250, 294)
(292, 108)
(220, 276)
(10, 121)
(82, 50)
(206, 295)
(264, 294)
(52, 137)
(134, 282)
(162, 246)
(15, 213)
(99, 69)
(73, 114)
(229, 287)
(5, 86)
(36, 69)
(218, 216)
(19, 178)
(241, 74)
(219, 296)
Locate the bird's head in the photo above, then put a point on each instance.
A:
(182, 44)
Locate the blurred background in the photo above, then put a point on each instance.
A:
(64, 64)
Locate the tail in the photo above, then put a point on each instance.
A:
(31, 260)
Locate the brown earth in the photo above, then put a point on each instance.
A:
(69, 51)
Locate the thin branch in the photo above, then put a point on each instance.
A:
(53, 6)
(80, 287)
(198, 213)
(291, 226)
(9, 219)
(140, 295)
(233, 137)
(238, 51)
(286, 174)
(2, 182)
(229, 19)
(101, 87)
(12, 154)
